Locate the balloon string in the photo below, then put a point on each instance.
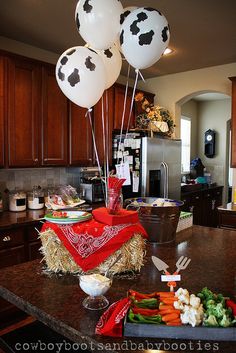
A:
(107, 132)
(123, 114)
(132, 100)
(88, 113)
(104, 150)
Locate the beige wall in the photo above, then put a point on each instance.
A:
(214, 115)
(190, 110)
(174, 90)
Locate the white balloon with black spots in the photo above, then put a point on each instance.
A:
(113, 62)
(144, 36)
(80, 74)
(98, 22)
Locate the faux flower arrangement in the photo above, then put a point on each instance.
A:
(154, 117)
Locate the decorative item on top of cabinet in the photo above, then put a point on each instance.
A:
(233, 123)
(80, 137)
(54, 120)
(108, 107)
(23, 112)
(138, 109)
(2, 109)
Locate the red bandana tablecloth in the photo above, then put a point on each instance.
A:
(90, 243)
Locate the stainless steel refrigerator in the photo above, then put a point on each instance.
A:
(161, 167)
(156, 162)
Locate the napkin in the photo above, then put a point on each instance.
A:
(111, 321)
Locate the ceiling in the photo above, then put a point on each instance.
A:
(202, 31)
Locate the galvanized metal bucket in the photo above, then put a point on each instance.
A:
(160, 222)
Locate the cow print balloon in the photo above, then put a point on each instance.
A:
(112, 62)
(144, 36)
(80, 74)
(98, 22)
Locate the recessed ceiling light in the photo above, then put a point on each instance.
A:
(167, 51)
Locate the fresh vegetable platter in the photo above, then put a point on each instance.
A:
(182, 315)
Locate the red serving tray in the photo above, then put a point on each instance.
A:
(124, 217)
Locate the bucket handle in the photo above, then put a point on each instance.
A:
(130, 204)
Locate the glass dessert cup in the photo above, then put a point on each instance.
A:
(95, 286)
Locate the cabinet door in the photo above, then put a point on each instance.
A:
(24, 104)
(107, 101)
(233, 123)
(80, 137)
(12, 256)
(54, 121)
(2, 109)
(118, 108)
(193, 203)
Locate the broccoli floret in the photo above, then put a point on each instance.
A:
(209, 303)
(210, 321)
(220, 299)
(225, 322)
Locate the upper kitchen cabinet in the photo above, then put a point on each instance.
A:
(233, 123)
(118, 108)
(106, 104)
(2, 109)
(54, 120)
(23, 112)
(80, 137)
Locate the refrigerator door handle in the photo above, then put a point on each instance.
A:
(166, 177)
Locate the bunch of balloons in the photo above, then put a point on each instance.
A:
(141, 34)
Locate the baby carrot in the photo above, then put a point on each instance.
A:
(168, 301)
(174, 323)
(170, 317)
(165, 307)
(166, 294)
(169, 311)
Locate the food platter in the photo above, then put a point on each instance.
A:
(180, 332)
(67, 217)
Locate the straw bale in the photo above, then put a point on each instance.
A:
(58, 259)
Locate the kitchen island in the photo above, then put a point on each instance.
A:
(57, 300)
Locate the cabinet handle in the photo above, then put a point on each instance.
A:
(213, 204)
(208, 195)
(191, 208)
(36, 160)
(7, 238)
(197, 197)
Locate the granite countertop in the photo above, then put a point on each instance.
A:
(193, 188)
(57, 300)
(9, 219)
(229, 207)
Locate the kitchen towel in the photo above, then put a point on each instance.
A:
(91, 242)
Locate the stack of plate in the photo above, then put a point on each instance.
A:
(71, 217)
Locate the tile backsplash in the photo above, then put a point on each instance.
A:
(25, 179)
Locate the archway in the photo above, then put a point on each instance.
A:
(213, 112)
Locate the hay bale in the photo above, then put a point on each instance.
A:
(58, 258)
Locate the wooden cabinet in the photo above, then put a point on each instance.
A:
(203, 204)
(23, 112)
(2, 109)
(233, 123)
(80, 137)
(54, 120)
(227, 216)
(17, 245)
(105, 104)
(119, 107)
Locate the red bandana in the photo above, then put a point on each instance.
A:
(91, 242)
